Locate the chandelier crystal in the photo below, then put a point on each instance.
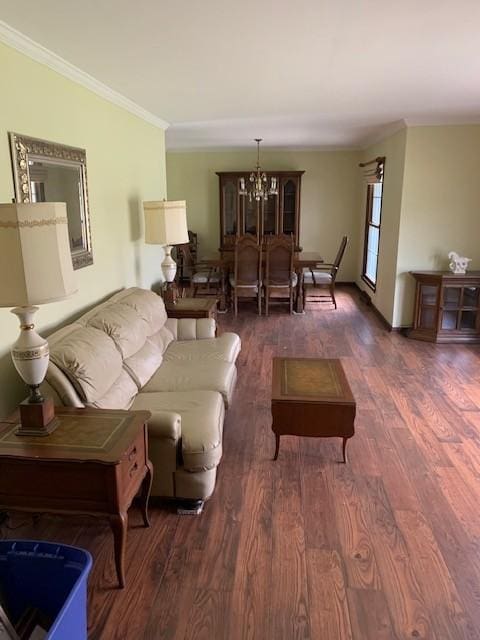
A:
(257, 187)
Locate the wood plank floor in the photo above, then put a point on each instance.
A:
(385, 547)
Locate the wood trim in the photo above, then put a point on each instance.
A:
(368, 210)
(379, 314)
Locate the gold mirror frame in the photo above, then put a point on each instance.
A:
(24, 151)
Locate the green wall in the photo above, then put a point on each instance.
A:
(125, 165)
(440, 206)
(329, 196)
(431, 206)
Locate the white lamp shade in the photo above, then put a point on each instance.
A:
(35, 258)
(166, 222)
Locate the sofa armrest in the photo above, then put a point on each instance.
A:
(192, 328)
(166, 425)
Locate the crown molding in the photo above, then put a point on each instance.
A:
(275, 149)
(443, 121)
(37, 52)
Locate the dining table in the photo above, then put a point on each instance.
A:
(225, 260)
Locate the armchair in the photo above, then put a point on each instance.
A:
(207, 279)
(324, 276)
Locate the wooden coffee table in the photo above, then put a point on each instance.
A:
(311, 397)
(94, 463)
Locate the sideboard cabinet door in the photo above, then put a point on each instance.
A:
(447, 306)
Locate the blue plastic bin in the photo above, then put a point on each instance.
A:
(50, 577)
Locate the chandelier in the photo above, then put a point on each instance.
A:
(257, 187)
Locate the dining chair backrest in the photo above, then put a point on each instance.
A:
(340, 252)
(279, 260)
(248, 261)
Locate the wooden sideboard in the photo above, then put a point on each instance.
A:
(447, 306)
(278, 214)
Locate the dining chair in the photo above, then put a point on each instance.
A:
(324, 276)
(206, 279)
(246, 280)
(280, 278)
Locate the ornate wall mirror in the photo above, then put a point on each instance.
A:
(49, 172)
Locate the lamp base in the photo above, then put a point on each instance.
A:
(37, 419)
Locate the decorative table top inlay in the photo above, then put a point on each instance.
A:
(316, 378)
(93, 434)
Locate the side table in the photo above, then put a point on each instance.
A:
(192, 308)
(94, 463)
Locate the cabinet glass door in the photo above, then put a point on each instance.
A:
(269, 214)
(428, 306)
(289, 205)
(470, 297)
(230, 207)
(250, 215)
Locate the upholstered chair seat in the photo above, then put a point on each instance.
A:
(206, 277)
(253, 287)
(316, 277)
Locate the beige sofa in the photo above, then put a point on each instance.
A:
(126, 353)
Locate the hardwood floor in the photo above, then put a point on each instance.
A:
(385, 547)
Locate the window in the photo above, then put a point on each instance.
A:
(372, 233)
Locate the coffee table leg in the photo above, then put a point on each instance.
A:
(145, 493)
(277, 445)
(344, 450)
(118, 523)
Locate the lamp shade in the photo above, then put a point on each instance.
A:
(35, 257)
(166, 222)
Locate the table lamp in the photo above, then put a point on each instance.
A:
(166, 224)
(36, 268)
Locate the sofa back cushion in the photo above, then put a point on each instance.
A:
(123, 325)
(142, 365)
(148, 305)
(90, 360)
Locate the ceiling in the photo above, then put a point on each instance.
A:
(304, 74)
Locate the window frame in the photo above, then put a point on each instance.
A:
(368, 224)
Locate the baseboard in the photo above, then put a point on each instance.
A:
(366, 299)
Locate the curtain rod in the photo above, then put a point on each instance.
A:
(378, 160)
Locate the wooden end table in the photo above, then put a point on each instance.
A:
(94, 463)
(311, 397)
(192, 308)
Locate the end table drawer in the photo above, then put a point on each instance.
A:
(133, 463)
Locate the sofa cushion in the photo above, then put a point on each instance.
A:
(148, 305)
(120, 395)
(202, 414)
(124, 325)
(224, 348)
(162, 338)
(90, 360)
(143, 364)
(196, 375)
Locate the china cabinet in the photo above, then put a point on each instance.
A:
(447, 306)
(279, 214)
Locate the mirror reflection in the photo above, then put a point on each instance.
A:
(49, 172)
(54, 182)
